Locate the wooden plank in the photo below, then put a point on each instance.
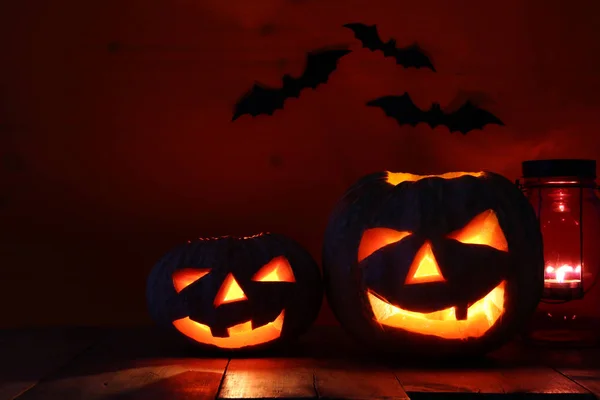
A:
(143, 363)
(350, 379)
(168, 379)
(309, 378)
(26, 356)
(581, 365)
(137, 364)
(588, 378)
(268, 378)
(449, 381)
(540, 380)
(514, 380)
(165, 378)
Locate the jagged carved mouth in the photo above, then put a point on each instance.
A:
(481, 316)
(240, 335)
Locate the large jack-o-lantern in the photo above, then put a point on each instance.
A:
(438, 265)
(236, 292)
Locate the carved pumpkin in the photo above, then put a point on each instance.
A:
(236, 292)
(436, 265)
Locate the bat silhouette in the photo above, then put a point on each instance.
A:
(410, 56)
(265, 100)
(466, 118)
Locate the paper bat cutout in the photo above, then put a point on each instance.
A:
(265, 100)
(410, 56)
(467, 118)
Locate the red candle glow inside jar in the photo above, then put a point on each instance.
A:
(565, 274)
(564, 195)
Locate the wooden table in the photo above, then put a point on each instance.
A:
(139, 363)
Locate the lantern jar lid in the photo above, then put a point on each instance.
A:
(580, 168)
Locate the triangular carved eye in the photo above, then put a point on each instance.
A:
(375, 238)
(276, 270)
(184, 277)
(484, 229)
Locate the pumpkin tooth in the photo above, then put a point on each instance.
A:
(461, 312)
(219, 332)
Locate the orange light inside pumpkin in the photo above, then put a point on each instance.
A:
(276, 270)
(241, 335)
(424, 267)
(186, 276)
(481, 316)
(375, 238)
(229, 292)
(396, 178)
(483, 229)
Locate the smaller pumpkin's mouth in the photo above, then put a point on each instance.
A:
(481, 316)
(240, 335)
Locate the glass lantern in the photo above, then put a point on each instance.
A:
(564, 196)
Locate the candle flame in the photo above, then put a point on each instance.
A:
(565, 272)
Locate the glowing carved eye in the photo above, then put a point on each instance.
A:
(484, 229)
(229, 292)
(376, 238)
(276, 270)
(183, 278)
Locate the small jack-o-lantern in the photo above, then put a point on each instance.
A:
(236, 292)
(438, 265)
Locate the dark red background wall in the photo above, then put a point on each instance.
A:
(116, 141)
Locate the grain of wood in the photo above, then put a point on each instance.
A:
(176, 379)
(134, 365)
(139, 364)
(588, 378)
(516, 380)
(450, 381)
(268, 378)
(26, 356)
(348, 379)
(539, 380)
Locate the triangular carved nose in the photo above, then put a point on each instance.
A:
(424, 268)
(229, 292)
